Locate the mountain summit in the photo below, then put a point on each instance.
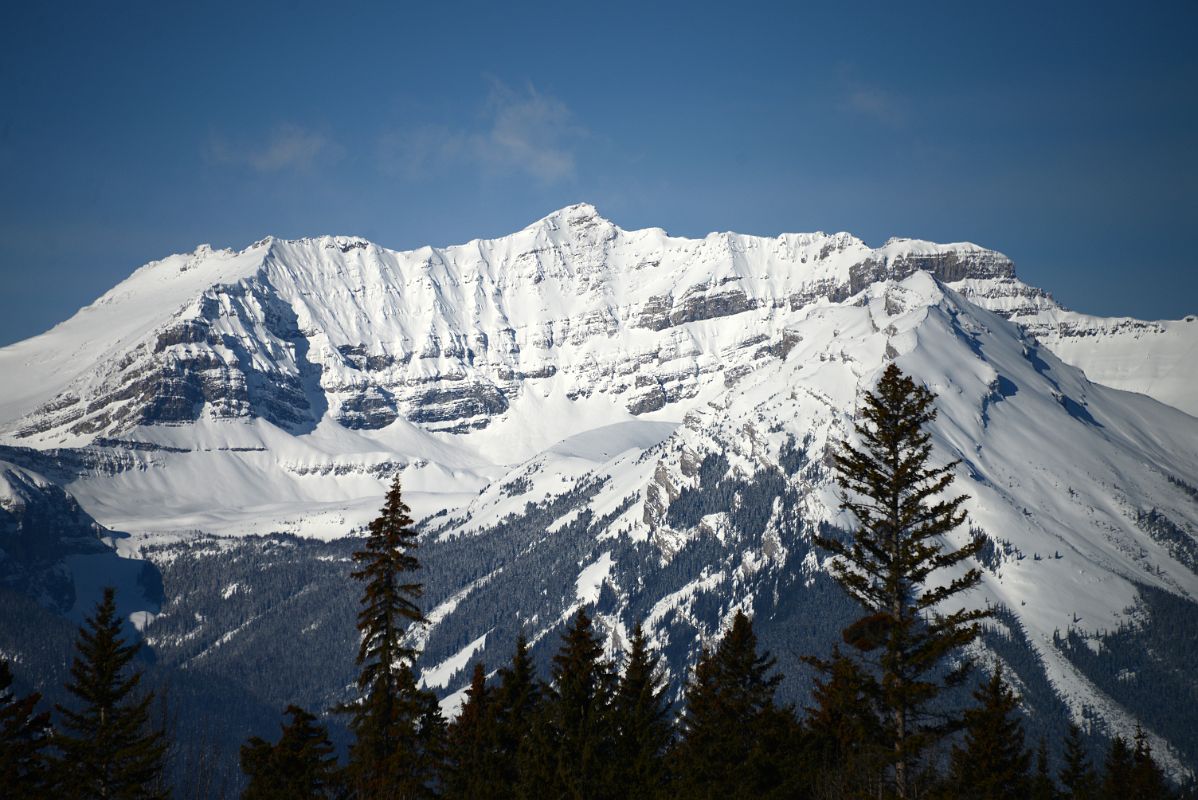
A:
(625, 420)
(292, 331)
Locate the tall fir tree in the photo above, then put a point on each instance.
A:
(641, 722)
(24, 736)
(516, 706)
(735, 741)
(895, 563)
(108, 747)
(395, 749)
(1078, 781)
(569, 754)
(992, 763)
(302, 765)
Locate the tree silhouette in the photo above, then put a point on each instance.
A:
(641, 723)
(108, 747)
(395, 725)
(301, 765)
(735, 742)
(992, 763)
(24, 736)
(889, 564)
(570, 750)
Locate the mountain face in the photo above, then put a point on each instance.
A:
(627, 420)
(52, 551)
(324, 366)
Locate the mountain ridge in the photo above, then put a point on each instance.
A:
(571, 235)
(622, 420)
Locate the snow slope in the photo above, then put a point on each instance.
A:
(1061, 474)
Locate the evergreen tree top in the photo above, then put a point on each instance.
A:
(734, 681)
(992, 761)
(579, 666)
(108, 747)
(895, 564)
(98, 672)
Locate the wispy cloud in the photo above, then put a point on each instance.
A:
(878, 104)
(521, 131)
(287, 148)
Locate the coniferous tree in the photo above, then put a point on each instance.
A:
(1117, 771)
(1043, 787)
(24, 736)
(844, 742)
(569, 753)
(108, 748)
(432, 743)
(641, 722)
(396, 732)
(735, 742)
(516, 706)
(302, 765)
(991, 763)
(889, 565)
(1078, 781)
(1148, 782)
(473, 765)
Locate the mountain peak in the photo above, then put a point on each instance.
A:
(578, 215)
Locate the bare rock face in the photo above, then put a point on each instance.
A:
(448, 403)
(371, 408)
(947, 267)
(196, 366)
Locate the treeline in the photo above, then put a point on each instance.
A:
(878, 726)
(593, 729)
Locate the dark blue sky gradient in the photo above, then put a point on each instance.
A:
(1062, 134)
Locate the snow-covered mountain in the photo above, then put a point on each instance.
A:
(634, 421)
(321, 367)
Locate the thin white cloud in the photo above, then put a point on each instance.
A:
(882, 106)
(522, 131)
(288, 148)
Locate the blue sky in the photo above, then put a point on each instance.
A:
(1062, 134)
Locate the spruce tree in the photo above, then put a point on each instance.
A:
(301, 765)
(570, 751)
(432, 743)
(1117, 771)
(394, 727)
(893, 564)
(24, 736)
(1078, 781)
(1043, 787)
(516, 707)
(472, 767)
(735, 742)
(991, 763)
(1148, 782)
(641, 722)
(844, 744)
(108, 748)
